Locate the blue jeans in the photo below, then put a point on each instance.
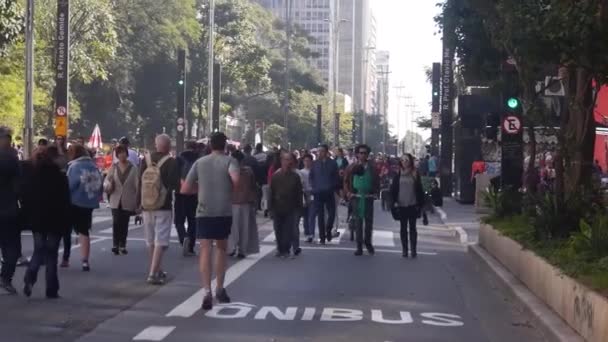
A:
(308, 218)
(46, 250)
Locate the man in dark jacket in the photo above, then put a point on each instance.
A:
(286, 204)
(324, 179)
(185, 204)
(9, 230)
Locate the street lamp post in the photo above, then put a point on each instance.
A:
(210, 64)
(29, 80)
(287, 68)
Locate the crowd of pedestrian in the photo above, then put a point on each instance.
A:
(211, 193)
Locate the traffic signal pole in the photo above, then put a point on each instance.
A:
(181, 101)
(435, 110)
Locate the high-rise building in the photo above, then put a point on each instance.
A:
(382, 87)
(356, 56)
(315, 17)
(356, 37)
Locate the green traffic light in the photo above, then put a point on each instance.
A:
(513, 103)
(180, 82)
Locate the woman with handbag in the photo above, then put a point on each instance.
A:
(122, 187)
(408, 199)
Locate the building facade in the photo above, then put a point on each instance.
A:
(352, 24)
(382, 84)
(315, 17)
(356, 53)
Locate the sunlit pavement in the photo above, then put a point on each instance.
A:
(326, 294)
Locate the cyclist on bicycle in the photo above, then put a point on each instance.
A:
(361, 185)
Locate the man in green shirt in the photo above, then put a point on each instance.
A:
(361, 185)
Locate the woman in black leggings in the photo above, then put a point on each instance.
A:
(408, 197)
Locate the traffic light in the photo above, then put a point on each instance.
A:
(513, 103)
(436, 86)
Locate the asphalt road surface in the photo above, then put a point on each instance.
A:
(326, 294)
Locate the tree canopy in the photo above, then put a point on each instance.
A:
(124, 67)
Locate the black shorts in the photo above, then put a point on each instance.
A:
(213, 228)
(82, 220)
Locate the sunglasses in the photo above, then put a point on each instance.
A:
(363, 152)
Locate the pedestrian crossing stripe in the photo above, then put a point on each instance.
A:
(380, 238)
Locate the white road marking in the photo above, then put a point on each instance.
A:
(464, 237)
(109, 230)
(154, 333)
(378, 250)
(383, 238)
(336, 240)
(98, 219)
(93, 241)
(189, 307)
(269, 238)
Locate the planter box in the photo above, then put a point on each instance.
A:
(584, 310)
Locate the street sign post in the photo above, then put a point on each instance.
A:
(512, 149)
(62, 74)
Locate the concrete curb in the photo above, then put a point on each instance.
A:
(460, 232)
(551, 323)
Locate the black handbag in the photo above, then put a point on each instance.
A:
(396, 213)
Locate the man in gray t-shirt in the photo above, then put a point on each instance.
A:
(216, 175)
(212, 173)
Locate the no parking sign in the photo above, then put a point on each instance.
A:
(511, 124)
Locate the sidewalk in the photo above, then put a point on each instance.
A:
(461, 217)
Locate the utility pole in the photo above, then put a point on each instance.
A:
(287, 70)
(210, 65)
(353, 62)
(182, 124)
(29, 80)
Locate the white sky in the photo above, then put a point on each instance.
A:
(406, 29)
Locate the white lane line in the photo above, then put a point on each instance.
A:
(154, 333)
(94, 241)
(130, 239)
(269, 238)
(189, 307)
(383, 238)
(378, 250)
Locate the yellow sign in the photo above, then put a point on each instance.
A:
(61, 126)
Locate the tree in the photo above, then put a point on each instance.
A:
(537, 34)
(11, 23)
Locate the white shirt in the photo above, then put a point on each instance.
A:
(305, 176)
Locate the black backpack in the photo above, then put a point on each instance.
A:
(186, 165)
